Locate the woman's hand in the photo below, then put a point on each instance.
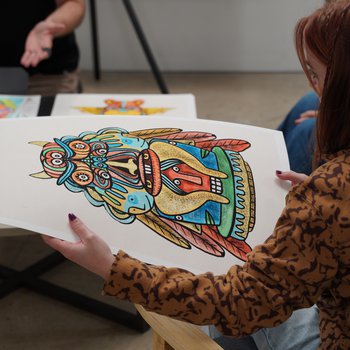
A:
(39, 42)
(91, 252)
(306, 115)
(292, 176)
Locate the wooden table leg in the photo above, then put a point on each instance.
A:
(159, 343)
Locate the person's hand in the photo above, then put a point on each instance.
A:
(292, 176)
(39, 42)
(91, 252)
(306, 115)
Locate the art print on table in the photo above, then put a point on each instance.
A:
(192, 193)
(13, 106)
(174, 105)
(187, 186)
(123, 107)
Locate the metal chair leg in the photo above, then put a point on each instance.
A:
(95, 46)
(145, 46)
(142, 39)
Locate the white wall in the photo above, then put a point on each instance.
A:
(198, 35)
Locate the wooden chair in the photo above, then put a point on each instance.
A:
(170, 334)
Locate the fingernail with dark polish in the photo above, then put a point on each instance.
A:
(71, 217)
(278, 172)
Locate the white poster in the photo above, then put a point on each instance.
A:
(18, 106)
(191, 193)
(173, 105)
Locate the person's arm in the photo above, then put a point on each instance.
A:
(67, 16)
(280, 276)
(70, 13)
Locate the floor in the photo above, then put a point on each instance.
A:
(31, 321)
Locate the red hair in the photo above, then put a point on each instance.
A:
(326, 33)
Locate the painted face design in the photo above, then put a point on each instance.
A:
(188, 187)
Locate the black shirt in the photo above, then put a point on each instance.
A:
(17, 20)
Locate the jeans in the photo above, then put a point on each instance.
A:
(300, 139)
(300, 331)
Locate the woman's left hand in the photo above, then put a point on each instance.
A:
(292, 176)
(91, 252)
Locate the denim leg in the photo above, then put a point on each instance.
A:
(300, 138)
(308, 102)
(300, 146)
(213, 332)
(300, 331)
(229, 343)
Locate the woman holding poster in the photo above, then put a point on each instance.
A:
(306, 259)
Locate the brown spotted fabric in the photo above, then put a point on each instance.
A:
(305, 261)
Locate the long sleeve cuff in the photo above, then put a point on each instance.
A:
(129, 279)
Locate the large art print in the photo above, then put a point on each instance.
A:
(195, 194)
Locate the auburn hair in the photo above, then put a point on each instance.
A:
(326, 33)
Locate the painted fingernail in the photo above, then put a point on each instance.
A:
(71, 217)
(278, 172)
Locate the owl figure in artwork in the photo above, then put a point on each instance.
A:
(187, 186)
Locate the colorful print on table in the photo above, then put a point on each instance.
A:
(131, 107)
(189, 187)
(12, 106)
(174, 105)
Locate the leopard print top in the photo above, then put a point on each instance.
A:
(305, 261)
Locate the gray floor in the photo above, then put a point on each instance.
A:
(31, 321)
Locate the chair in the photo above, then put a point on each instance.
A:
(13, 81)
(170, 334)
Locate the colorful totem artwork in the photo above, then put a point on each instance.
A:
(187, 186)
(114, 107)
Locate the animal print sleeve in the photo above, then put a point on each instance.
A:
(287, 272)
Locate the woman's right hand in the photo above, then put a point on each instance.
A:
(39, 42)
(292, 176)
